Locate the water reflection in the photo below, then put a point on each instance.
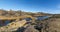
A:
(5, 22)
(41, 17)
(28, 19)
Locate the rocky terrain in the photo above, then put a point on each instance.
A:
(28, 22)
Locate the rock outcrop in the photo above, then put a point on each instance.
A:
(13, 26)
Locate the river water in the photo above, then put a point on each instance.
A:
(41, 17)
(2, 23)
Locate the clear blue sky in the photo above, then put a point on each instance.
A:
(47, 6)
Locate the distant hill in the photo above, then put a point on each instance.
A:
(20, 13)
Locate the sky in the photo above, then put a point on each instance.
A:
(46, 6)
